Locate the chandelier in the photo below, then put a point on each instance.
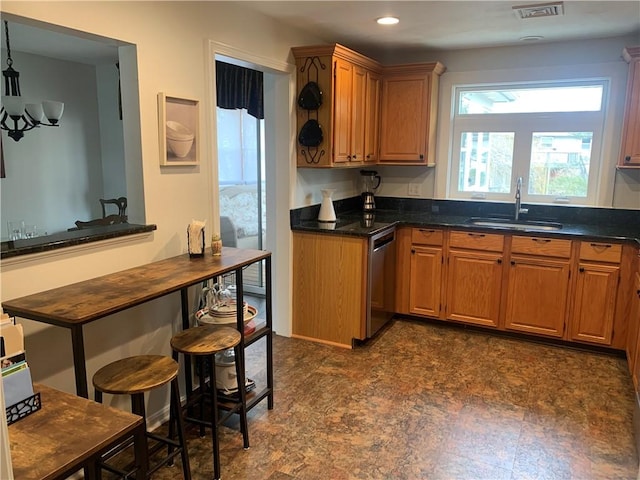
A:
(15, 116)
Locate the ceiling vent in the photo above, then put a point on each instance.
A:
(553, 9)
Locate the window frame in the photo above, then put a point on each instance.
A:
(615, 72)
(524, 125)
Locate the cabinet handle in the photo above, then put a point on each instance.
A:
(348, 157)
(422, 230)
(369, 157)
(627, 158)
(581, 269)
(354, 157)
(513, 262)
(541, 240)
(421, 157)
(499, 261)
(601, 245)
(413, 251)
(479, 235)
(638, 293)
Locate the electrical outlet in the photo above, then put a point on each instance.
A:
(414, 190)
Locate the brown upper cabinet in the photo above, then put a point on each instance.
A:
(349, 111)
(630, 150)
(369, 114)
(409, 114)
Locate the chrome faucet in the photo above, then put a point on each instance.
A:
(519, 210)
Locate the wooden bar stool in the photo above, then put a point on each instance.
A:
(204, 342)
(134, 376)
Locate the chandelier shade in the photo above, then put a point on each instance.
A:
(16, 117)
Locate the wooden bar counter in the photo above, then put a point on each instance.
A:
(75, 305)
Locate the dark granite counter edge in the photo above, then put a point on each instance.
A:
(70, 238)
(597, 224)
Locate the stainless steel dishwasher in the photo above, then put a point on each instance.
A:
(381, 281)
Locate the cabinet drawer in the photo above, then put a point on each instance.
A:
(548, 247)
(426, 236)
(476, 241)
(601, 251)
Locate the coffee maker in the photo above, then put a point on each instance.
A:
(370, 183)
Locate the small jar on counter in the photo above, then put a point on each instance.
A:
(216, 244)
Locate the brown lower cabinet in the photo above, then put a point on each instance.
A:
(633, 340)
(329, 287)
(597, 281)
(425, 280)
(474, 278)
(537, 295)
(560, 288)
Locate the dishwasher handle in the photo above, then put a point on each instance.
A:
(383, 240)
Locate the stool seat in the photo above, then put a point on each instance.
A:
(137, 374)
(134, 376)
(205, 340)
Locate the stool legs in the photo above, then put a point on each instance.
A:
(201, 364)
(141, 444)
(176, 413)
(214, 418)
(242, 392)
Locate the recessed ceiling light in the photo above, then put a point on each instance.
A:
(531, 38)
(387, 20)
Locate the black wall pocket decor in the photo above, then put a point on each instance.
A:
(310, 99)
(310, 134)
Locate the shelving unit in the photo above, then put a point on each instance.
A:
(257, 395)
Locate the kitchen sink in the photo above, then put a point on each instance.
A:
(515, 224)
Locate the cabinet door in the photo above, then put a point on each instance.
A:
(630, 150)
(595, 302)
(474, 287)
(372, 118)
(403, 120)
(537, 296)
(634, 333)
(358, 111)
(330, 290)
(343, 73)
(425, 281)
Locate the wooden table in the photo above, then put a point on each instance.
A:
(75, 305)
(68, 433)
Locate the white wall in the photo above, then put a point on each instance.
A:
(53, 172)
(171, 41)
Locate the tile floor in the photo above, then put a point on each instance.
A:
(430, 401)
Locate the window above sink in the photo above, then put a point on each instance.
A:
(548, 134)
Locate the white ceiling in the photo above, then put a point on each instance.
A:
(424, 25)
(447, 25)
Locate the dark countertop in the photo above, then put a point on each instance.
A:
(70, 238)
(352, 223)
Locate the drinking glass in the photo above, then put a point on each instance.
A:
(16, 229)
(30, 231)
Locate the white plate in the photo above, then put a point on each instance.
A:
(225, 310)
(203, 317)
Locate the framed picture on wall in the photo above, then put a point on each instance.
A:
(178, 130)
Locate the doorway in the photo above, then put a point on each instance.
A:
(241, 164)
(278, 174)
